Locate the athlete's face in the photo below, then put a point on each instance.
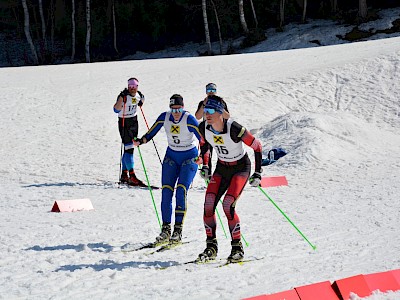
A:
(132, 88)
(213, 117)
(176, 111)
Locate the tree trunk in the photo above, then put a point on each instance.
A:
(242, 18)
(28, 34)
(43, 24)
(219, 27)
(52, 18)
(362, 9)
(114, 26)
(281, 13)
(254, 13)
(303, 18)
(206, 30)
(334, 6)
(88, 31)
(73, 34)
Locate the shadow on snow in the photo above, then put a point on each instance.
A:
(97, 247)
(111, 265)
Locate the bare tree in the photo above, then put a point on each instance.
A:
(52, 18)
(206, 30)
(43, 24)
(334, 6)
(219, 27)
(242, 18)
(303, 18)
(362, 9)
(254, 13)
(88, 31)
(281, 13)
(27, 32)
(114, 26)
(73, 33)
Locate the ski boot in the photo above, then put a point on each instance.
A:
(237, 252)
(176, 237)
(210, 253)
(124, 177)
(164, 236)
(133, 180)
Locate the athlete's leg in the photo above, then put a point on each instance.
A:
(168, 179)
(187, 172)
(215, 189)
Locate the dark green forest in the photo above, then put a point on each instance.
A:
(58, 29)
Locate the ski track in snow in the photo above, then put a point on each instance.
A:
(335, 109)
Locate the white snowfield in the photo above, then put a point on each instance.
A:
(335, 109)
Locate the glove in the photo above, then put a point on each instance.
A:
(198, 160)
(205, 173)
(255, 179)
(138, 142)
(123, 94)
(140, 103)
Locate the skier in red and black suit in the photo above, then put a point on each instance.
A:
(227, 137)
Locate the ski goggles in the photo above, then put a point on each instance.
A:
(132, 86)
(211, 90)
(177, 110)
(210, 111)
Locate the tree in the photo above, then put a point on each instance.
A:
(281, 13)
(218, 26)
(43, 24)
(303, 18)
(114, 26)
(242, 18)
(206, 30)
(28, 33)
(88, 31)
(73, 33)
(362, 9)
(334, 6)
(254, 13)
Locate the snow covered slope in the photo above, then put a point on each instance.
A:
(335, 109)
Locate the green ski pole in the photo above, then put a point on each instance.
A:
(287, 218)
(150, 189)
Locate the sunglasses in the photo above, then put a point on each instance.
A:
(211, 90)
(132, 86)
(176, 110)
(209, 111)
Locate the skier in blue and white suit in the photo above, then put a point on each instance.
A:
(179, 166)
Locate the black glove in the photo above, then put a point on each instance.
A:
(123, 94)
(255, 179)
(205, 173)
(140, 103)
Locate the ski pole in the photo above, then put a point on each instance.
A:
(150, 189)
(122, 143)
(287, 218)
(152, 139)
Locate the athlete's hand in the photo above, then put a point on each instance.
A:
(205, 173)
(123, 94)
(137, 142)
(255, 179)
(198, 160)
